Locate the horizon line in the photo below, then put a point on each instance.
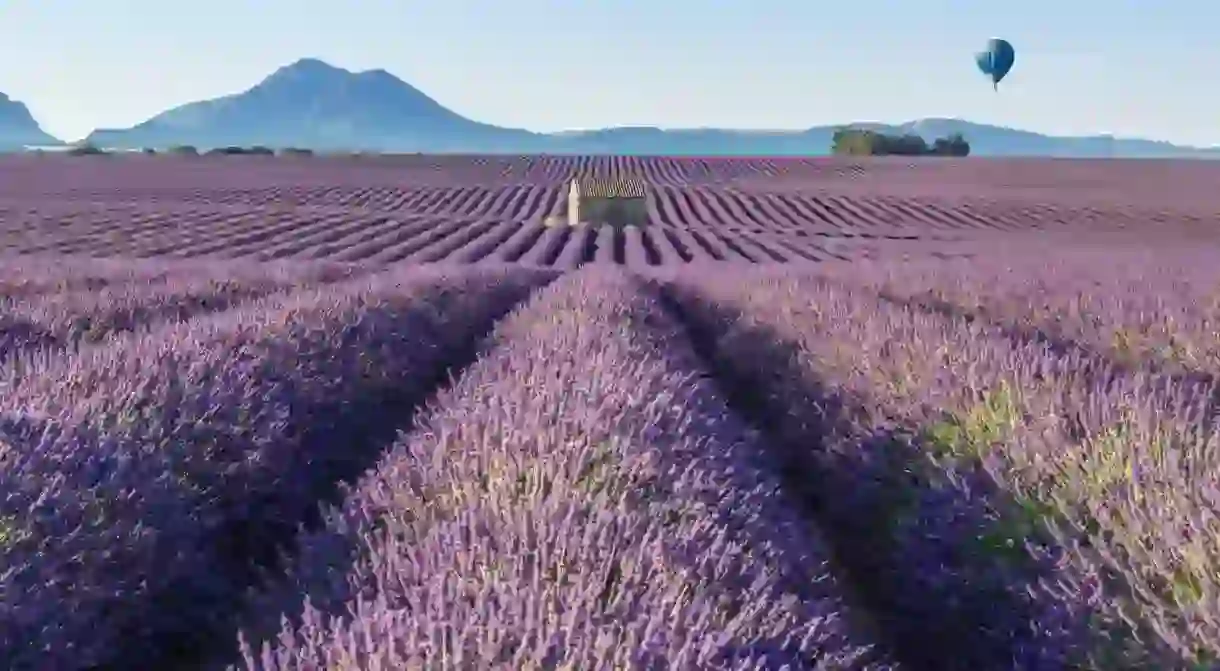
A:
(637, 126)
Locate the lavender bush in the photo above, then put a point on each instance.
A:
(580, 498)
(64, 320)
(1138, 307)
(1055, 515)
(145, 479)
(35, 274)
(1000, 457)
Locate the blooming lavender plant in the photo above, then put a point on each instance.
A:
(580, 498)
(1024, 524)
(1138, 307)
(28, 275)
(144, 480)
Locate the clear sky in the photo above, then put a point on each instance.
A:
(1128, 67)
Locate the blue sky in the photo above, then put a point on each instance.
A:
(1083, 66)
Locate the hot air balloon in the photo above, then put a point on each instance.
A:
(996, 60)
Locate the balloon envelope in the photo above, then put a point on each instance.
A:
(996, 60)
(983, 60)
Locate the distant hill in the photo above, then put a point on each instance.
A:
(18, 128)
(311, 104)
(315, 105)
(985, 140)
(1000, 141)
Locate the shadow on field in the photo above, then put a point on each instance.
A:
(902, 532)
(343, 440)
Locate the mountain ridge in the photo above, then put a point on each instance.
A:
(312, 104)
(19, 129)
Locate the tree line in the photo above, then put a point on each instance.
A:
(87, 149)
(855, 142)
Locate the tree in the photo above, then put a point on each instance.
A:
(954, 145)
(235, 150)
(86, 149)
(854, 142)
(903, 145)
(858, 142)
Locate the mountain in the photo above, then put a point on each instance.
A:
(18, 128)
(313, 104)
(316, 105)
(985, 140)
(1000, 141)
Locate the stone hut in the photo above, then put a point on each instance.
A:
(599, 200)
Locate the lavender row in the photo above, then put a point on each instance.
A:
(24, 276)
(1138, 307)
(1184, 185)
(722, 224)
(580, 498)
(1019, 508)
(145, 479)
(378, 240)
(65, 320)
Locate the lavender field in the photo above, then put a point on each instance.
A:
(269, 413)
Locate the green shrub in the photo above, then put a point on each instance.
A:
(234, 150)
(86, 149)
(852, 142)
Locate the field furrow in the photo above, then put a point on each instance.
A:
(581, 468)
(636, 253)
(972, 483)
(668, 252)
(388, 234)
(68, 320)
(444, 248)
(439, 230)
(331, 237)
(578, 248)
(393, 411)
(481, 246)
(161, 472)
(521, 241)
(547, 246)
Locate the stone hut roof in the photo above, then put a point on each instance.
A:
(603, 187)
